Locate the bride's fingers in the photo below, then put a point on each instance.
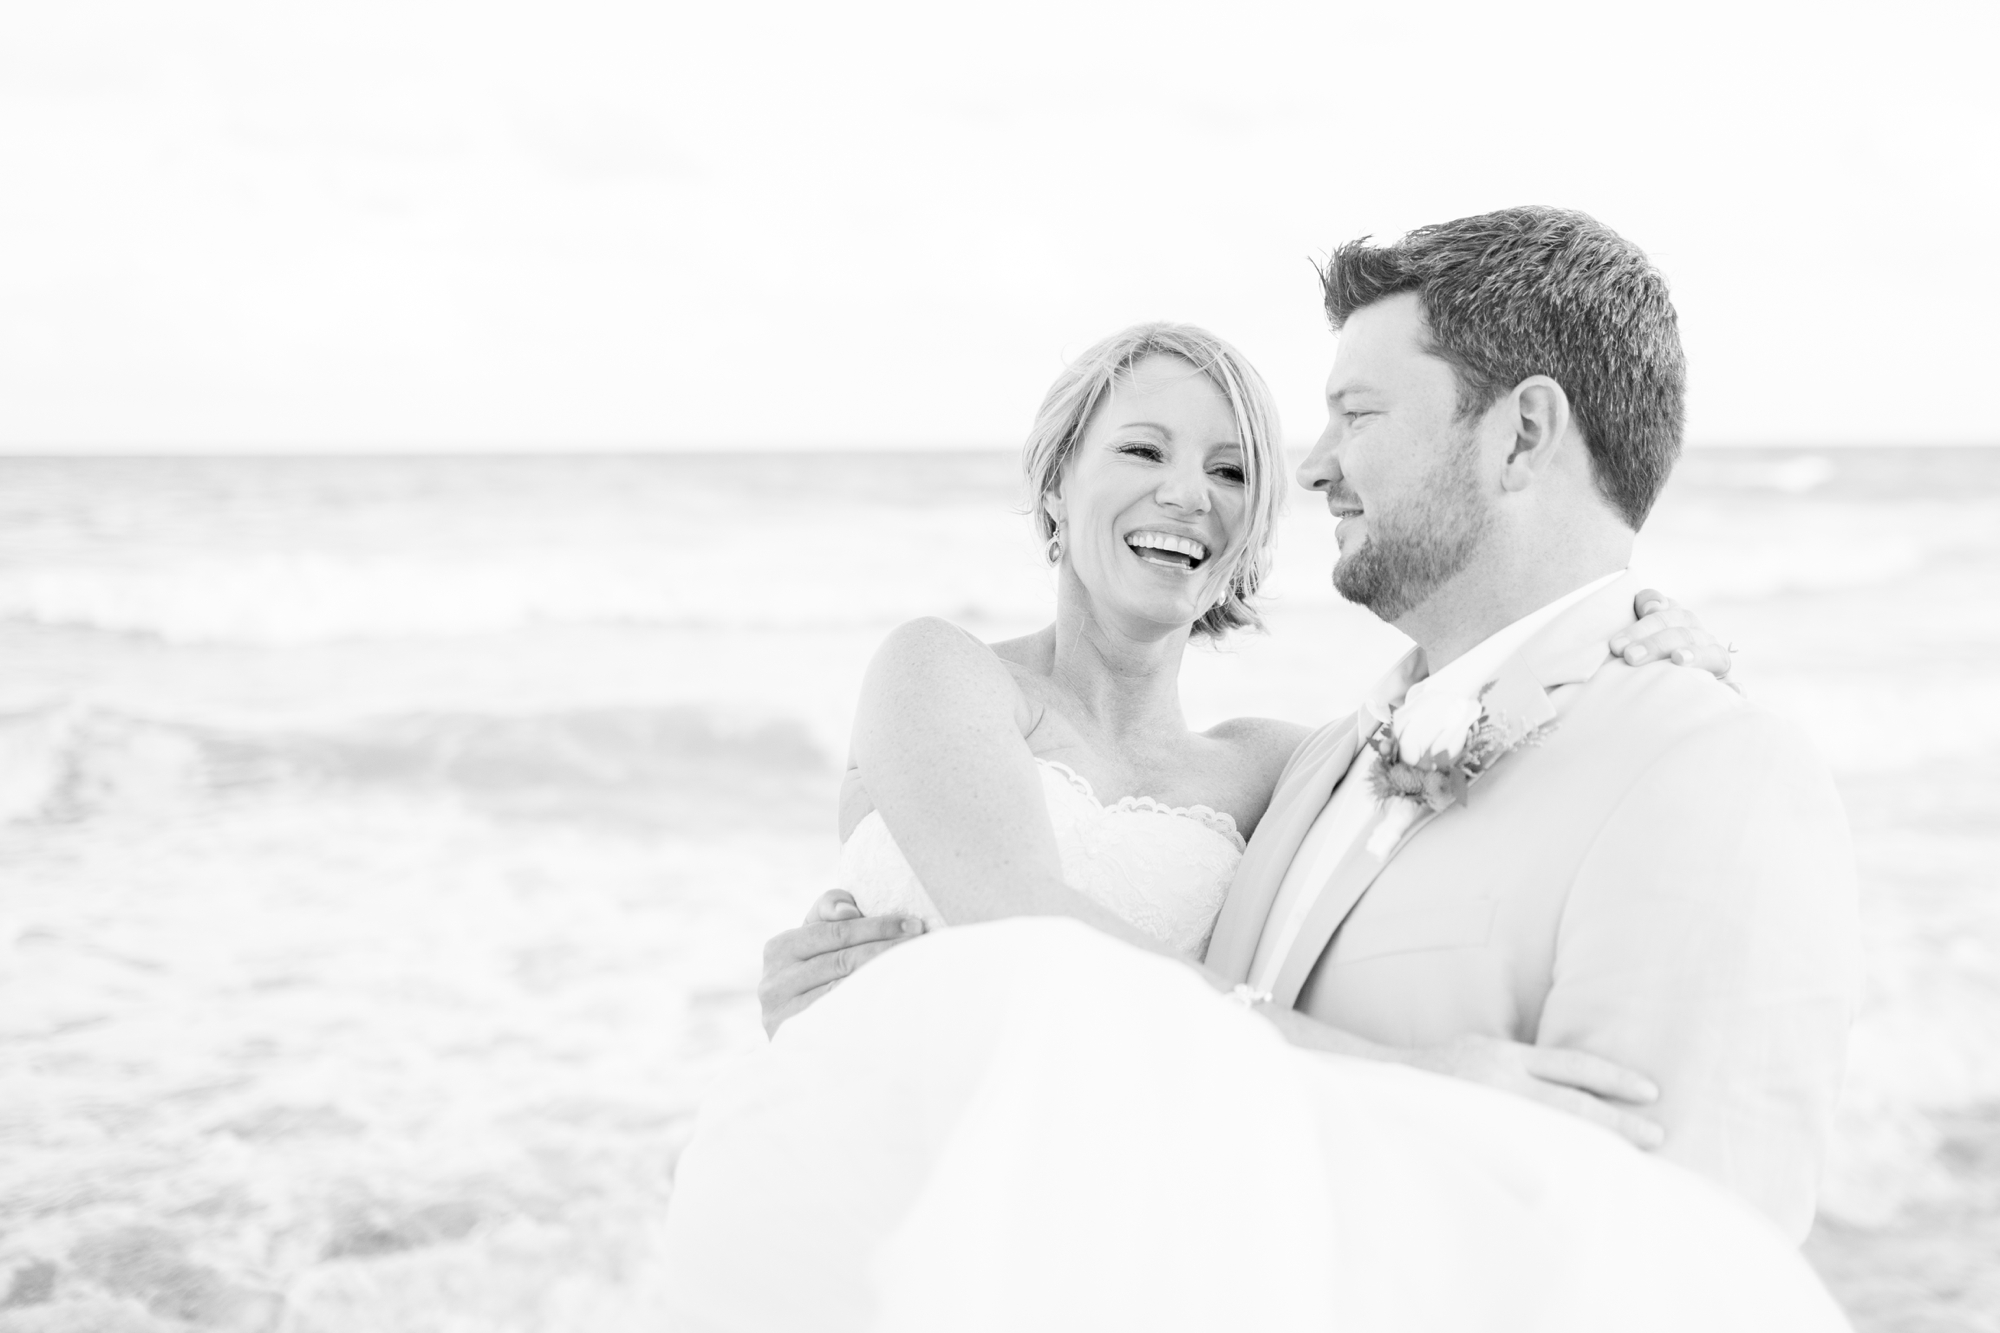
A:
(1658, 646)
(1651, 600)
(1666, 632)
(1711, 655)
(1694, 647)
(1591, 1073)
(1649, 628)
(1672, 617)
(1684, 647)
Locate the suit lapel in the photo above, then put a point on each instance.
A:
(1350, 879)
(1322, 761)
(1567, 651)
(1294, 806)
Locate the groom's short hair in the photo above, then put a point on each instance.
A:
(1543, 291)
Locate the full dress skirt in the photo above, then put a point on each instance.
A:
(1030, 1125)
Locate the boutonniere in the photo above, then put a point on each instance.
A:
(1433, 750)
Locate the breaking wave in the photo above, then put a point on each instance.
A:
(291, 600)
(666, 765)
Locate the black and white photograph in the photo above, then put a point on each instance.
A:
(920, 669)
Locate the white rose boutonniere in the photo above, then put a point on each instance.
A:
(1432, 751)
(1435, 725)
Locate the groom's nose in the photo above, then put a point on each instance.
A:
(1320, 471)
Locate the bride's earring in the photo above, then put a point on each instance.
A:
(1054, 548)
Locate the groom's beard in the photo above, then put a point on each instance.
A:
(1413, 548)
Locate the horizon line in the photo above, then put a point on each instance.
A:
(603, 449)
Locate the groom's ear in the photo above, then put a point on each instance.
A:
(1538, 415)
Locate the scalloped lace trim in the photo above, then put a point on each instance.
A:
(1216, 821)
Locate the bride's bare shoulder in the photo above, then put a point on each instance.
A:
(933, 640)
(933, 660)
(929, 675)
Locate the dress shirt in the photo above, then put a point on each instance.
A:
(1352, 808)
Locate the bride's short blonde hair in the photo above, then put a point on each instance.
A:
(1074, 398)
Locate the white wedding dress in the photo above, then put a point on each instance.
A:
(1030, 1125)
(1164, 868)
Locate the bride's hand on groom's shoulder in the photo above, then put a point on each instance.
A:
(804, 963)
(1669, 632)
(1567, 1080)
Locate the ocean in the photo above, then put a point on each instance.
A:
(386, 845)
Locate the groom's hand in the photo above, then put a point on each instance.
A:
(803, 964)
(1575, 1081)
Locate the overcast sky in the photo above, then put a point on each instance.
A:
(449, 223)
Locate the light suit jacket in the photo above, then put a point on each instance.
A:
(1666, 881)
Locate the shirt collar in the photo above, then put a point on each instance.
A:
(1395, 683)
(1464, 675)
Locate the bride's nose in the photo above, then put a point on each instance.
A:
(1187, 493)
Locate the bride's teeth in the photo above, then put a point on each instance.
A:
(1167, 541)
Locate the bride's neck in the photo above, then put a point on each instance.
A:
(1124, 679)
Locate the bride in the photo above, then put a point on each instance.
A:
(1050, 1117)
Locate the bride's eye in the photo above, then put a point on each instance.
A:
(1149, 451)
(1230, 472)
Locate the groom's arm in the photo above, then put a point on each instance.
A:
(1710, 939)
(804, 963)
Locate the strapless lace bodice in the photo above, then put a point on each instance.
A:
(1163, 868)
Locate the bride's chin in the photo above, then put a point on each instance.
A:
(1155, 611)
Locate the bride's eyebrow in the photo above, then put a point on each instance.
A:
(1147, 425)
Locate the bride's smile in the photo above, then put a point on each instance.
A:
(1166, 549)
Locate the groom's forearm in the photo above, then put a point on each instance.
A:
(1572, 1081)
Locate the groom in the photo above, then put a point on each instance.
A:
(1516, 852)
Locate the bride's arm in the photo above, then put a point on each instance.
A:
(939, 742)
